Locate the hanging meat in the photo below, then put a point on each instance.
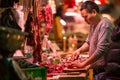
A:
(34, 37)
(35, 17)
(48, 18)
(45, 15)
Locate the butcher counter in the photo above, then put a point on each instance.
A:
(72, 74)
(68, 74)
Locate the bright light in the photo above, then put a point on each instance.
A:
(70, 14)
(78, 1)
(62, 22)
(97, 2)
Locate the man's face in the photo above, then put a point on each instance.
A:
(88, 17)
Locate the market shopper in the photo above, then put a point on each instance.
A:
(97, 42)
(9, 32)
(9, 16)
(113, 60)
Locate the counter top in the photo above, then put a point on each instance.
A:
(80, 76)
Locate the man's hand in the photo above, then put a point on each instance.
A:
(77, 64)
(75, 55)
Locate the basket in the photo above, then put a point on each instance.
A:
(11, 39)
(38, 73)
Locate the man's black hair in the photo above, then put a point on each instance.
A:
(89, 6)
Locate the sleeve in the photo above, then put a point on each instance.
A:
(87, 40)
(104, 38)
(88, 37)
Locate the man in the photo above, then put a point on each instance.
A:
(97, 42)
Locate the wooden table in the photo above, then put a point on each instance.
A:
(71, 74)
(80, 76)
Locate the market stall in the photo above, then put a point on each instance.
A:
(41, 58)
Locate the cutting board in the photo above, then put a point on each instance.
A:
(75, 69)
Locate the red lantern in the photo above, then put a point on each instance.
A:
(70, 3)
(103, 1)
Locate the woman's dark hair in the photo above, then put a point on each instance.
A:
(89, 6)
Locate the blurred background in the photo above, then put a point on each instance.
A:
(67, 20)
(52, 26)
